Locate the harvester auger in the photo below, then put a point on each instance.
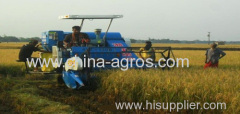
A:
(109, 47)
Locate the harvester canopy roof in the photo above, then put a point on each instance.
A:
(90, 16)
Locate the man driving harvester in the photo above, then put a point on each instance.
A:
(76, 38)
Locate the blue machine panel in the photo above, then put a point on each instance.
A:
(110, 35)
(50, 38)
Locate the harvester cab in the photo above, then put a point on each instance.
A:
(74, 63)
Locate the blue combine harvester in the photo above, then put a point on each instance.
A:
(74, 65)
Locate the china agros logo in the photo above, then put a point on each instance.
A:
(124, 63)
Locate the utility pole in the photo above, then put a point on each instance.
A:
(209, 37)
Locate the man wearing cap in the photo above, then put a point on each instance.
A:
(147, 51)
(212, 56)
(76, 38)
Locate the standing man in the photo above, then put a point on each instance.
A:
(212, 56)
(147, 51)
(76, 38)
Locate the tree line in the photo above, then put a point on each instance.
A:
(16, 39)
(181, 41)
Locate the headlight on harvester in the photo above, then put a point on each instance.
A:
(74, 63)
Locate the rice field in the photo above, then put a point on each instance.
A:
(24, 93)
(187, 45)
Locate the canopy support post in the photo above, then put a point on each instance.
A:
(104, 37)
(81, 25)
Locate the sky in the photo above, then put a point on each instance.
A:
(142, 19)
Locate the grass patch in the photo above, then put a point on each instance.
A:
(13, 70)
